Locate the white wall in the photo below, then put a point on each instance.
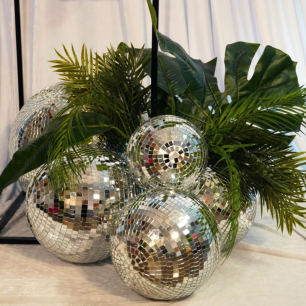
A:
(202, 27)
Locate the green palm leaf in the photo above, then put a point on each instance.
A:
(110, 84)
(35, 153)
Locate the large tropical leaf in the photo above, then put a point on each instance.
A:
(213, 97)
(35, 153)
(274, 69)
(213, 94)
(238, 58)
(191, 70)
(172, 97)
(169, 77)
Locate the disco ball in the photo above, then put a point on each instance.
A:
(167, 151)
(164, 244)
(74, 224)
(212, 191)
(33, 118)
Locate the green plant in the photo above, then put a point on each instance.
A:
(247, 138)
(104, 92)
(110, 85)
(248, 127)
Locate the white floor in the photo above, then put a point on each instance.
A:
(267, 268)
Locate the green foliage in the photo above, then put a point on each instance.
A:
(261, 155)
(36, 152)
(110, 85)
(248, 138)
(104, 92)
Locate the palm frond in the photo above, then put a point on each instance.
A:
(254, 134)
(111, 85)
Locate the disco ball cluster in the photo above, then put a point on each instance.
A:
(157, 209)
(165, 243)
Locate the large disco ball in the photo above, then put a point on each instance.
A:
(212, 191)
(33, 118)
(74, 224)
(164, 244)
(167, 151)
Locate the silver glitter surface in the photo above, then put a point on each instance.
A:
(32, 120)
(163, 244)
(246, 218)
(212, 191)
(167, 152)
(74, 225)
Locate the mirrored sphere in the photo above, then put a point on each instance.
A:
(163, 245)
(33, 118)
(212, 191)
(167, 151)
(74, 224)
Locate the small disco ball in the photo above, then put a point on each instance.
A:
(74, 224)
(212, 191)
(165, 244)
(33, 118)
(167, 151)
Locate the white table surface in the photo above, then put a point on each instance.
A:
(267, 268)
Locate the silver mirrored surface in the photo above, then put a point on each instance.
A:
(33, 118)
(167, 152)
(163, 244)
(74, 224)
(212, 191)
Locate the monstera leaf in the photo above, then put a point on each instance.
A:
(190, 69)
(184, 106)
(213, 97)
(274, 70)
(172, 87)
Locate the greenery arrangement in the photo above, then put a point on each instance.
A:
(248, 127)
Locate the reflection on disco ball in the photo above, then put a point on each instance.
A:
(163, 245)
(74, 224)
(167, 151)
(115, 144)
(33, 118)
(212, 191)
(246, 218)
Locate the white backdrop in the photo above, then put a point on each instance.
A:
(203, 28)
